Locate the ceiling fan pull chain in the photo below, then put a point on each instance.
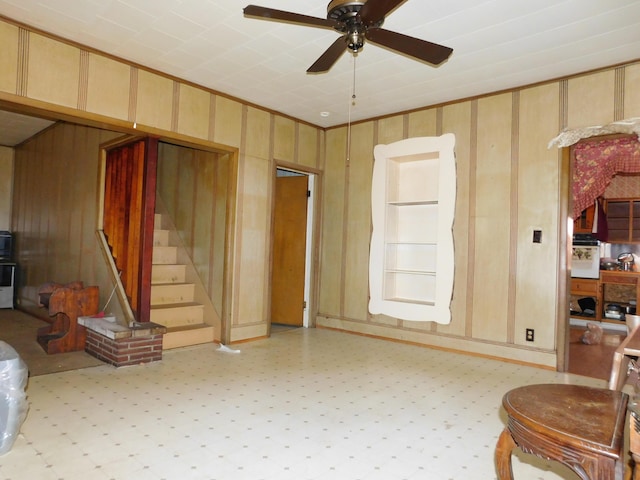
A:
(353, 89)
(351, 103)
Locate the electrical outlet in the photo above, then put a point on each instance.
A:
(529, 335)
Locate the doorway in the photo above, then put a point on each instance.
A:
(194, 194)
(291, 248)
(585, 299)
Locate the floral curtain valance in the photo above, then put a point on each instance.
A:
(596, 162)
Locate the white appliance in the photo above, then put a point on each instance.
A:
(7, 281)
(585, 258)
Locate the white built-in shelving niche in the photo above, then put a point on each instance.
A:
(411, 263)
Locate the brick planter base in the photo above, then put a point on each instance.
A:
(120, 345)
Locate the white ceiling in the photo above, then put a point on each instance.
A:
(498, 44)
(15, 127)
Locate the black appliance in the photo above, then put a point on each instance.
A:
(584, 239)
(6, 246)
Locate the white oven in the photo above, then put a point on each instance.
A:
(585, 258)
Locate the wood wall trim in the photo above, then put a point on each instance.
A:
(297, 167)
(83, 80)
(345, 215)
(28, 106)
(618, 94)
(212, 116)
(23, 62)
(133, 94)
(564, 104)
(175, 106)
(513, 228)
(230, 272)
(268, 244)
(445, 348)
(471, 228)
(239, 209)
(565, 163)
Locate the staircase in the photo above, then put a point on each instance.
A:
(172, 296)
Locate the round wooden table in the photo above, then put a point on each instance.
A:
(581, 427)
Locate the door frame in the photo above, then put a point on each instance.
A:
(308, 320)
(230, 224)
(565, 226)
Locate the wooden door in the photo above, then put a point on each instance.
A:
(289, 246)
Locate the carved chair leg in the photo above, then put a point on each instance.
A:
(504, 448)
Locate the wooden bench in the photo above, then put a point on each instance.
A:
(66, 303)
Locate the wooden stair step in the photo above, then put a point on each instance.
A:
(160, 238)
(168, 274)
(169, 293)
(190, 335)
(163, 255)
(177, 314)
(172, 302)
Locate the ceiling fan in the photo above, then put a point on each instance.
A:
(357, 21)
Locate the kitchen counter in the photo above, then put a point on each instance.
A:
(619, 273)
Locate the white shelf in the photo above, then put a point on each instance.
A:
(413, 200)
(411, 223)
(411, 257)
(412, 272)
(411, 301)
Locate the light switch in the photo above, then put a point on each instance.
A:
(537, 236)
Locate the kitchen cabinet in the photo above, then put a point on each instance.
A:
(619, 287)
(584, 223)
(623, 220)
(613, 286)
(586, 287)
(411, 261)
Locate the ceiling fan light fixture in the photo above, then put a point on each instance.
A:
(355, 40)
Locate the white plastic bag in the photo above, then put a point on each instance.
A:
(13, 399)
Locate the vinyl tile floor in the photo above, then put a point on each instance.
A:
(302, 404)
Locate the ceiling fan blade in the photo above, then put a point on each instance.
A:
(375, 10)
(414, 47)
(282, 16)
(329, 57)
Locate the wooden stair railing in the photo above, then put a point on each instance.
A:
(129, 207)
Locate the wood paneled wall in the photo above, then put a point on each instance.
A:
(55, 213)
(193, 186)
(43, 73)
(6, 184)
(508, 185)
